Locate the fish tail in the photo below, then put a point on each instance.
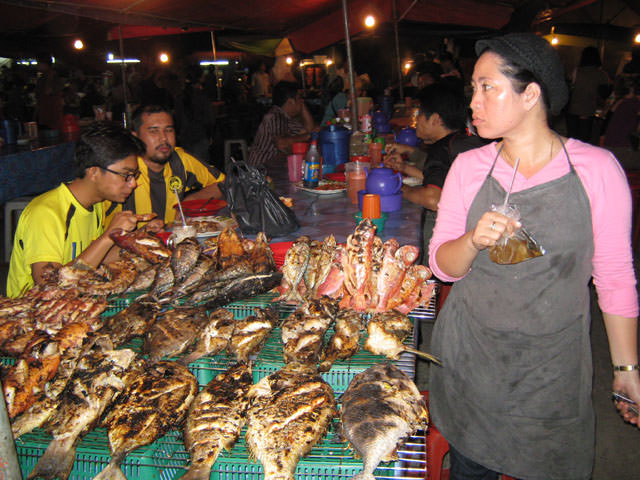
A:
(197, 472)
(56, 462)
(111, 471)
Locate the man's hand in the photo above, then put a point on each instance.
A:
(125, 220)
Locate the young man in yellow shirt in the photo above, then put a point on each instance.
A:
(67, 222)
(162, 160)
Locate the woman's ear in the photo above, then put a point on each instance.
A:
(531, 95)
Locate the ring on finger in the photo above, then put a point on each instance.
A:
(493, 225)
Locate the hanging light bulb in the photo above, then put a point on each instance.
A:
(289, 60)
(78, 45)
(164, 58)
(370, 21)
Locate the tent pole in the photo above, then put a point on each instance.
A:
(352, 77)
(9, 466)
(215, 67)
(395, 32)
(127, 114)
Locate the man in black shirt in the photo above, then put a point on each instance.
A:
(441, 124)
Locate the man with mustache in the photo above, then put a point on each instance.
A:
(162, 160)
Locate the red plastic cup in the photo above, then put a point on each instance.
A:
(299, 147)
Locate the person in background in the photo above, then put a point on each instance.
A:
(441, 124)
(513, 394)
(586, 95)
(624, 116)
(450, 67)
(48, 96)
(66, 223)
(261, 82)
(288, 121)
(162, 160)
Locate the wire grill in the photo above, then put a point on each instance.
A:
(166, 458)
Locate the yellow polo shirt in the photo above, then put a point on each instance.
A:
(54, 227)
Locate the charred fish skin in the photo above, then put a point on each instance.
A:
(131, 322)
(97, 380)
(173, 332)
(290, 412)
(183, 258)
(344, 342)
(243, 287)
(153, 402)
(213, 338)
(294, 268)
(380, 408)
(303, 331)
(250, 334)
(216, 418)
(386, 334)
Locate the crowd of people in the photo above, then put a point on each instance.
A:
(513, 336)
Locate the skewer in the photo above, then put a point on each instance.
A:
(184, 222)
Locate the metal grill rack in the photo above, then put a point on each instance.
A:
(166, 458)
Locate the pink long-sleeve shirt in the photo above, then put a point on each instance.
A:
(606, 187)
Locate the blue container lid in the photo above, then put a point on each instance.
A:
(334, 132)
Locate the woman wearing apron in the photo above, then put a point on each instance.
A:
(514, 393)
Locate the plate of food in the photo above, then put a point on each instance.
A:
(203, 207)
(210, 226)
(325, 187)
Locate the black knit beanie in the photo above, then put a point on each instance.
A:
(535, 54)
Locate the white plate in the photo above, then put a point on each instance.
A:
(221, 224)
(336, 191)
(412, 181)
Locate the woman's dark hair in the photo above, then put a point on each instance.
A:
(590, 57)
(447, 100)
(521, 77)
(104, 143)
(336, 85)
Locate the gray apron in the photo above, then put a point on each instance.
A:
(514, 394)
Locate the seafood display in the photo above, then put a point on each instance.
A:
(97, 380)
(155, 401)
(143, 244)
(215, 419)
(381, 407)
(131, 322)
(213, 338)
(366, 274)
(110, 279)
(290, 412)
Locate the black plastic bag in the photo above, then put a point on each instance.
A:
(253, 204)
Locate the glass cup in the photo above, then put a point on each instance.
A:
(375, 152)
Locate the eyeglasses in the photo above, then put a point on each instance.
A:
(127, 176)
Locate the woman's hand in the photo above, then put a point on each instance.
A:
(628, 384)
(490, 228)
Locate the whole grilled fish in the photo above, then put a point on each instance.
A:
(261, 256)
(357, 265)
(154, 402)
(394, 266)
(303, 332)
(184, 257)
(323, 265)
(344, 342)
(413, 289)
(290, 412)
(230, 248)
(251, 333)
(131, 322)
(295, 265)
(193, 278)
(173, 332)
(163, 282)
(98, 378)
(144, 279)
(381, 407)
(215, 281)
(215, 419)
(142, 243)
(244, 287)
(213, 338)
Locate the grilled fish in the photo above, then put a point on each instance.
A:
(213, 338)
(344, 342)
(244, 287)
(357, 265)
(303, 332)
(142, 244)
(154, 402)
(131, 322)
(173, 332)
(261, 256)
(290, 412)
(194, 277)
(230, 248)
(295, 265)
(98, 378)
(162, 282)
(251, 333)
(184, 257)
(381, 407)
(215, 419)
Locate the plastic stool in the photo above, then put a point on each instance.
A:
(437, 448)
(228, 145)
(11, 207)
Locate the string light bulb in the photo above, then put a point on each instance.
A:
(370, 21)
(289, 60)
(164, 58)
(78, 45)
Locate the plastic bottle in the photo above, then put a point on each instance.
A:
(311, 176)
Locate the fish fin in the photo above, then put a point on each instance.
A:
(56, 462)
(426, 355)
